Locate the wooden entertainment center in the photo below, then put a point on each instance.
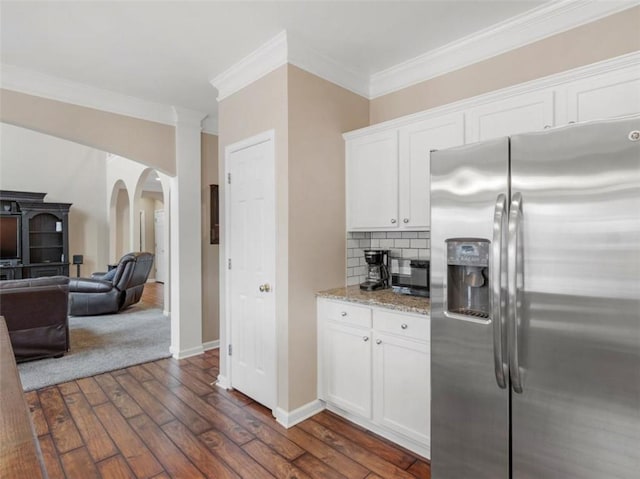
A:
(34, 236)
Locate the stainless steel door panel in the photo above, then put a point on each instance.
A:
(578, 416)
(469, 412)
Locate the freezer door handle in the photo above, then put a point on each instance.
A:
(498, 285)
(516, 283)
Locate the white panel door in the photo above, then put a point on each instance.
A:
(604, 96)
(372, 181)
(251, 251)
(518, 114)
(416, 142)
(158, 225)
(347, 367)
(401, 386)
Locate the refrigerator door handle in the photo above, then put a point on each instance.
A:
(498, 280)
(515, 284)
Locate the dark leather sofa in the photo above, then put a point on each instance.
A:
(95, 295)
(36, 312)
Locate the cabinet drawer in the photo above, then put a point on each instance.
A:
(348, 314)
(414, 327)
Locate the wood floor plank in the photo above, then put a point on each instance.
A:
(203, 361)
(266, 434)
(353, 450)
(198, 387)
(92, 391)
(316, 468)
(68, 387)
(197, 452)
(161, 375)
(142, 462)
(50, 458)
(181, 410)
(140, 373)
(321, 450)
(97, 441)
(420, 469)
(175, 463)
(151, 406)
(383, 448)
(232, 454)
(115, 468)
(220, 421)
(37, 416)
(273, 462)
(78, 463)
(63, 430)
(118, 396)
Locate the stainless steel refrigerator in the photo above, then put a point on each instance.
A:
(535, 297)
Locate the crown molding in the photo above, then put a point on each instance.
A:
(318, 64)
(283, 49)
(549, 19)
(39, 84)
(267, 58)
(187, 117)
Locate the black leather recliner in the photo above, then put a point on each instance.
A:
(95, 295)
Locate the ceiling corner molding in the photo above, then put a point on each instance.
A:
(210, 126)
(327, 68)
(265, 59)
(549, 19)
(46, 86)
(187, 117)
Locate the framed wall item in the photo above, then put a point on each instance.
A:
(214, 214)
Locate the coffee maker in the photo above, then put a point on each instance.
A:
(377, 270)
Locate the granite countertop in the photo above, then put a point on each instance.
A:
(384, 298)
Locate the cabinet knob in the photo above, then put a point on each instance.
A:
(393, 221)
(343, 314)
(365, 338)
(546, 127)
(404, 326)
(378, 341)
(406, 220)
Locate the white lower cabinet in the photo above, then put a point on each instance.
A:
(374, 369)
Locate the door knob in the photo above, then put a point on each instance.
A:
(264, 288)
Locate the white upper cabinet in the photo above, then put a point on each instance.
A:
(519, 114)
(372, 181)
(603, 96)
(416, 143)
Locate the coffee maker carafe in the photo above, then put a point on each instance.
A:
(377, 270)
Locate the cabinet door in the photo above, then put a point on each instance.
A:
(604, 96)
(416, 143)
(347, 367)
(401, 386)
(519, 114)
(372, 181)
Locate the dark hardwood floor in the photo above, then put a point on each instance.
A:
(165, 419)
(153, 295)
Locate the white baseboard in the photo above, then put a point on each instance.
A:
(187, 353)
(223, 382)
(211, 345)
(166, 312)
(290, 419)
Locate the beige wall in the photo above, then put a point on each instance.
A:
(144, 141)
(319, 112)
(68, 173)
(123, 220)
(210, 253)
(606, 38)
(309, 116)
(259, 107)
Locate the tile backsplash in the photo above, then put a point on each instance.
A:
(406, 244)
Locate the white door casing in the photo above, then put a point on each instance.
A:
(250, 257)
(158, 224)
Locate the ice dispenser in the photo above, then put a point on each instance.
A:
(468, 292)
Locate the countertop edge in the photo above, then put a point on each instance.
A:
(352, 294)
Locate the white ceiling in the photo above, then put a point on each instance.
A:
(167, 52)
